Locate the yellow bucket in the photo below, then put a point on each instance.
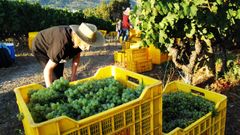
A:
(31, 36)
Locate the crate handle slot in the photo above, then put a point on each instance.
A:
(132, 79)
(197, 92)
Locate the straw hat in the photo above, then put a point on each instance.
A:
(127, 11)
(88, 34)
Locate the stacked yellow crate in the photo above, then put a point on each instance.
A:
(157, 56)
(134, 59)
(134, 33)
(137, 60)
(125, 45)
(120, 58)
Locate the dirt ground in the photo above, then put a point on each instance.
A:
(26, 70)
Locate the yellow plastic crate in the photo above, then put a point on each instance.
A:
(135, 39)
(112, 36)
(139, 66)
(125, 45)
(134, 36)
(157, 56)
(131, 45)
(142, 116)
(206, 125)
(136, 45)
(120, 58)
(31, 36)
(104, 32)
(136, 54)
(134, 33)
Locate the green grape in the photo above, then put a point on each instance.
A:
(80, 100)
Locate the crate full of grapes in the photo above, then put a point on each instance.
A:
(190, 110)
(113, 101)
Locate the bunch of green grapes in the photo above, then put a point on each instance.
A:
(40, 100)
(59, 85)
(180, 109)
(50, 94)
(60, 109)
(131, 94)
(80, 100)
(95, 96)
(38, 111)
(44, 96)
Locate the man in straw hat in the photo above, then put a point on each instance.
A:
(53, 46)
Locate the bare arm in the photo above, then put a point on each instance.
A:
(75, 63)
(48, 72)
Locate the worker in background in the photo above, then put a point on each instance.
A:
(126, 25)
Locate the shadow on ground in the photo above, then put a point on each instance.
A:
(9, 123)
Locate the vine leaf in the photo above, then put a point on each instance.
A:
(219, 2)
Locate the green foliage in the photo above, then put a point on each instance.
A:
(180, 109)
(79, 101)
(164, 21)
(116, 8)
(101, 11)
(233, 73)
(17, 18)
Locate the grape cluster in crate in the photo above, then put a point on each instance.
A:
(81, 100)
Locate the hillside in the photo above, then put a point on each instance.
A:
(73, 4)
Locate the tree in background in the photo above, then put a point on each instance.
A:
(117, 7)
(108, 12)
(101, 11)
(17, 18)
